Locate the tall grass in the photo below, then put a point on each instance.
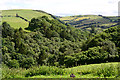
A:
(100, 70)
(13, 72)
(107, 71)
(104, 70)
(45, 70)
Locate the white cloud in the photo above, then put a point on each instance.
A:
(61, 7)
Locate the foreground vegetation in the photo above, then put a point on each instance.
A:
(104, 70)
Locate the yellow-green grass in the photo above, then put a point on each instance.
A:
(92, 16)
(109, 24)
(91, 66)
(81, 18)
(77, 71)
(73, 18)
(15, 22)
(26, 13)
(68, 76)
(64, 76)
(81, 69)
(76, 18)
(67, 18)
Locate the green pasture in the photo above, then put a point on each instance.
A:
(110, 24)
(81, 71)
(81, 17)
(81, 20)
(26, 13)
(15, 22)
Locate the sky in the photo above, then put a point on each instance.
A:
(65, 7)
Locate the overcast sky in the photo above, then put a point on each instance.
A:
(65, 7)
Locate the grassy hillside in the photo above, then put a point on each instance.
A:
(78, 21)
(15, 22)
(86, 21)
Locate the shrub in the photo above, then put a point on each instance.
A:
(45, 70)
(13, 63)
(106, 71)
(12, 72)
(27, 62)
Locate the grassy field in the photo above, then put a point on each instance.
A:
(26, 13)
(85, 21)
(83, 71)
(15, 22)
(81, 17)
(9, 16)
(78, 20)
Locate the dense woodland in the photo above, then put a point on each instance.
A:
(53, 43)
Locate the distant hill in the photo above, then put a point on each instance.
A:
(26, 15)
(78, 21)
(86, 21)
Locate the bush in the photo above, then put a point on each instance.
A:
(13, 63)
(106, 71)
(12, 72)
(45, 70)
(27, 62)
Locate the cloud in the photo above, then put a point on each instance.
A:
(67, 7)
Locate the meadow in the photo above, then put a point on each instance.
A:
(79, 17)
(103, 70)
(15, 22)
(26, 13)
(86, 21)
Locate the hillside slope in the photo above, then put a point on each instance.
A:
(9, 16)
(78, 21)
(86, 21)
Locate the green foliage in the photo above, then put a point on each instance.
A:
(93, 29)
(7, 30)
(106, 71)
(8, 73)
(13, 63)
(27, 62)
(69, 61)
(97, 22)
(52, 43)
(16, 22)
(45, 70)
